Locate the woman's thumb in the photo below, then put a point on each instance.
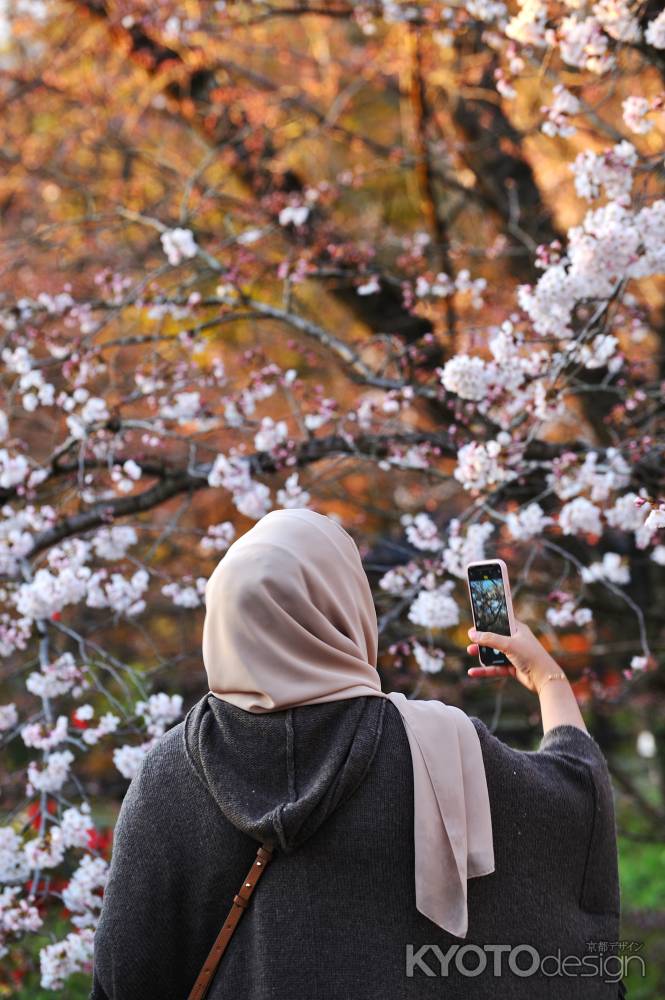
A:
(492, 639)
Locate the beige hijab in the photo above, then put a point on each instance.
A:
(290, 620)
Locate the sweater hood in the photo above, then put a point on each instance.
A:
(278, 776)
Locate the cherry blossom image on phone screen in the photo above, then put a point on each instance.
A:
(489, 604)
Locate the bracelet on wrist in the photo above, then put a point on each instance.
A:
(560, 676)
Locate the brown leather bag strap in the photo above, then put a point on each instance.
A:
(240, 904)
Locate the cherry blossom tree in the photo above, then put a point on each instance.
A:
(399, 263)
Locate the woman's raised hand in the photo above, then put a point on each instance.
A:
(530, 661)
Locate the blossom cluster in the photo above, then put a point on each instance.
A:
(232, 472)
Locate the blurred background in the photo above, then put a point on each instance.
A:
(263, 230)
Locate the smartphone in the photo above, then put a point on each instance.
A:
(491, 605)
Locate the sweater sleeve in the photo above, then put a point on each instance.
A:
(600, 890)
(97, 991)
(135, 952)
(123, 908)
(568, 770)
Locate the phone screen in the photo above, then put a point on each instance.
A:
(490, 611)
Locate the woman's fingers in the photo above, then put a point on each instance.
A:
(487, 671)
(491, 671)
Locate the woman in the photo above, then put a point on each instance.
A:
(415, 854)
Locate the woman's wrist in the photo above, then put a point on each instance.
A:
(544, 666)
(552, 675)
(558, 704)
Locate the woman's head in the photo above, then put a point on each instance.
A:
(290, 617)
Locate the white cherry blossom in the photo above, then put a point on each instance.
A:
(435, 608)
(580, 516)
(422, 532)
(178, 244)
(527, 522)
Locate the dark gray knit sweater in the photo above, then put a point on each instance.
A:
(334, 917)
